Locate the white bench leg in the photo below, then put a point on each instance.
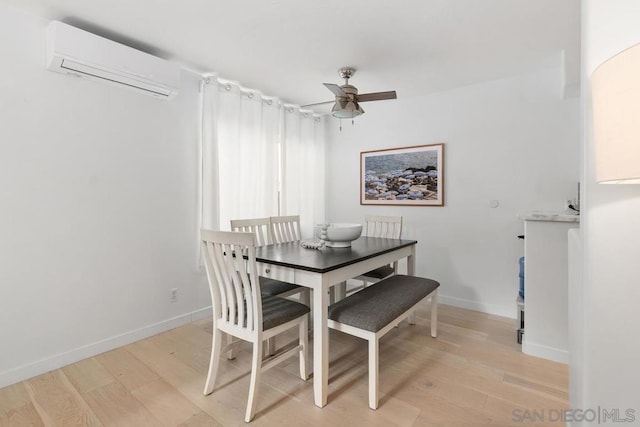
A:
(373, 372)
(434, 314)
(411, 318)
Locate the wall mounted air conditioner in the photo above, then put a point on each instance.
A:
(74, 51)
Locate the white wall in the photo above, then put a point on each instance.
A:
(611, 235)
(511, 140)
(98, 213)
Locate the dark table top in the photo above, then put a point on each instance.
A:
(293, 255)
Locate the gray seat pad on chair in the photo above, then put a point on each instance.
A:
(269, 286)
(276, 311)
(380, 272)
(376, 306)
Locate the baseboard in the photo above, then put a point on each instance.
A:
(545, 352)
(30, 370)
(498, 310)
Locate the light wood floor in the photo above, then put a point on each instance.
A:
(472, 374)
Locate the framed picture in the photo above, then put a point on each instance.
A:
(406, 176)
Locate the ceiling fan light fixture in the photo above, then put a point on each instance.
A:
(346, 109)
(347, 100)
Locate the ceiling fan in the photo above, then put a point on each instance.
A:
(347, 102)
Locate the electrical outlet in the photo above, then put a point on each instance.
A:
(174, 295)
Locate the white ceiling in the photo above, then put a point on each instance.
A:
(288, 48)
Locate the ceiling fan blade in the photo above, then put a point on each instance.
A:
(337, 90)
(376, 96)
(318, 103)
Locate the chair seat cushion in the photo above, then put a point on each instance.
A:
(380, 272)
(377, 305)
(269, 286)
(276, 311)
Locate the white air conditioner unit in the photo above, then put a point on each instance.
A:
(74, 51)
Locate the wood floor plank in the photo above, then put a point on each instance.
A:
(58, 402)
(166, 403)
(201, 419)
(503, 412)
(13, 397)
(437, 410)
(426, 386)
(26, 415)
(191, 345)
(529, 385)
(228, 405)
(114, 405)
(16, 408)
(163, 363)
(127, 369)
(500, 357)
(87, 375)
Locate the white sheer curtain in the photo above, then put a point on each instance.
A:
(259, 157)
(303, 168)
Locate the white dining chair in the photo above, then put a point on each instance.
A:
(261, 228)
(285, 228)
(240, 310)
(389, 227)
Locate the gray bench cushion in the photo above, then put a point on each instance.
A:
(376, 306)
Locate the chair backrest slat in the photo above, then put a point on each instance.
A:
(230, 260)
(285, 228)
(382, 226)
(261, 227)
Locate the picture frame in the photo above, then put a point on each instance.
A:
(404, 176)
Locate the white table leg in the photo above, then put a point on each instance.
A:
(320, 347)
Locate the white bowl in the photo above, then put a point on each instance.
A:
(340, 234)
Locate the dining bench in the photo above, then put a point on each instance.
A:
(375, 310)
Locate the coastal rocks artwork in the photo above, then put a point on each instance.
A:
(407, 184)
(409, 175)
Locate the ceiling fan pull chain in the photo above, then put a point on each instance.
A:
(340, 125)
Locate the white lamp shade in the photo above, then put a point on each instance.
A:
(616, 118)
(346, 109)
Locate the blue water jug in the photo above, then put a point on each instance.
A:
(521, 275)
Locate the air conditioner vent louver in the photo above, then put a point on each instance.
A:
(74, 51)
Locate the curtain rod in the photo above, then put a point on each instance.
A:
(206, 78)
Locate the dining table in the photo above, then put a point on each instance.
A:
(320, 270)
